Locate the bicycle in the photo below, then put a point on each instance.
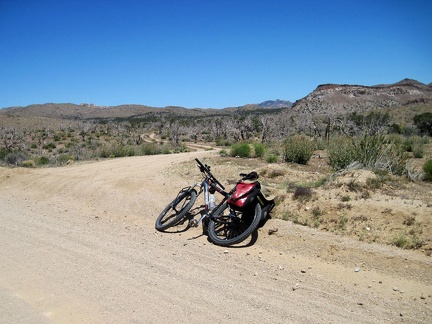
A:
(237, 216)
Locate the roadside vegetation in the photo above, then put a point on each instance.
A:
(394, 155)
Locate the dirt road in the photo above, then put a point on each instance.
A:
(78, 245)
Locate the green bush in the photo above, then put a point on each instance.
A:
(42, 160)
(409, 241)
(373, 152)
(408, 144)
(150, 149)
(418, 150)
(271, 158)
(424, 123)
(3, 152)
(49, 146)
(259, 150)
(242, 150)
(179, 148)
(220, 141)
(223, 153)
(320, 144)
(298, 149)
(116, 150)
(28, 164)
(64, 158)
(427, 168)
(392, 159)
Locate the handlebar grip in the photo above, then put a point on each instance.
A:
(199, 162)
(207, 169)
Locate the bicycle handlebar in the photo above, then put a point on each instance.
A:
(206, 169)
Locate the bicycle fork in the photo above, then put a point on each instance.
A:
(204, 187)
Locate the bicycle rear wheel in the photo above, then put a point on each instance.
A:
(231, 226)
(176, 210)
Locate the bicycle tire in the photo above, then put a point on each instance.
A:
(170, 216)
(227, 230)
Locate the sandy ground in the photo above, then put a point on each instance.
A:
(78, 245)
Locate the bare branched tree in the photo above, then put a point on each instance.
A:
(10, 138)
(266, 125)
(174, 128)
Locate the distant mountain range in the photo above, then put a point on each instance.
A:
(326, 99)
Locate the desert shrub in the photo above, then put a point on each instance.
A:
(104, 152)
(409, 131)
(408, 143)
(180, 148)
(303, 194)
(220, 141)
(320, 144)
(271, 158)
(242, 150)
(150, 149)
(42, 160)
(28, 164)
(372, 151)
(259, 150)
(395, 129)
(15, 158)
(341, 152)
(64, 158)
(223, 153)
(298, 149)
(3, 152)
(116, 150)
(49, 146)
(392, 159)
(427, 168)
(368, 149)
(395, 138)
(354, 186)
(407, 240)
(418, 150)
(165, 149)
(273, 173)
(82, 153)
(424, 123)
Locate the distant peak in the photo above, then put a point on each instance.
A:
(408, 81)
(275, 104)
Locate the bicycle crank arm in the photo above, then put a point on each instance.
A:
(195, 223)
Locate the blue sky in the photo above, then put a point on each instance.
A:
(208, 54)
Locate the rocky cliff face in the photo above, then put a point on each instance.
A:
(343, 98)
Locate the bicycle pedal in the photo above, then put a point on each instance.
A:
(193, 223)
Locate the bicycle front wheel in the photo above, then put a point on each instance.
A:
(231, 226)
(176, 210)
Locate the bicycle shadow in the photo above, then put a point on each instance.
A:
(251, 240)
(184, 224)
(197, 212)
